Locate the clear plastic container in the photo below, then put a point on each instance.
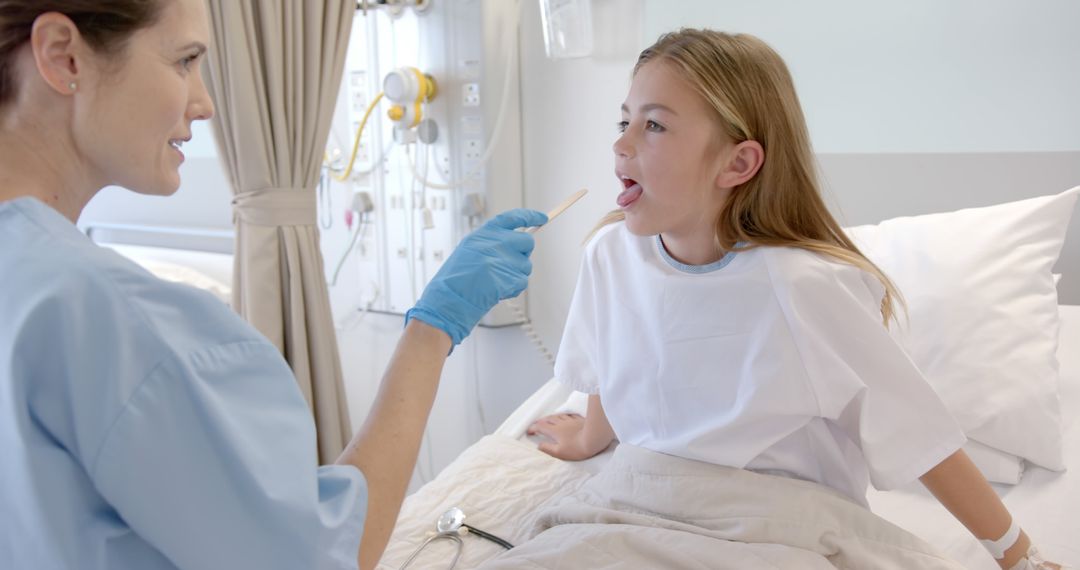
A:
(567, 28)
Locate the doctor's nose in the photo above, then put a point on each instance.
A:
(201, 106)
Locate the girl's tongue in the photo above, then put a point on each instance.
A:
(630, 195)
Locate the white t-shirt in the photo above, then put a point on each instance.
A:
(773, 359)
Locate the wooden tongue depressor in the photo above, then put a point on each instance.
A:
(561, 208)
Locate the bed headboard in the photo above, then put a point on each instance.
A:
(172, 237)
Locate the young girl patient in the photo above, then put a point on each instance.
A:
(722, 315)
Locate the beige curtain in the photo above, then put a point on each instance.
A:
(274, 70)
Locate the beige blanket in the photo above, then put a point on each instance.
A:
(644, 510)
(498, 482)
(649, 510)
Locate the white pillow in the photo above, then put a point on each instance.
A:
(983, 314)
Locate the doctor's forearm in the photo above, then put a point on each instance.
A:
(386, 446)
(963, 490)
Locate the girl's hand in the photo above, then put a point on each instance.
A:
(1023, 555)
(1025, 564)
(1032, 561)
(565, 432)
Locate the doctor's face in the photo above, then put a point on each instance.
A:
(141, 104)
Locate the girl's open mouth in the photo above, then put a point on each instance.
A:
(631, 192)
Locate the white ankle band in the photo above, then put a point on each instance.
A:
(998, 547)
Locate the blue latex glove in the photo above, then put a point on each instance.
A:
(489, 265)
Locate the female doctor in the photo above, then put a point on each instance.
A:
(142, 424)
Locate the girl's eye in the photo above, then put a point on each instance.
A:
(649, 126)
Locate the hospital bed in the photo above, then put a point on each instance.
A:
(199, 257)
(209, 271)
(502, 479)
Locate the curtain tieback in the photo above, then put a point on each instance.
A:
(275, 207)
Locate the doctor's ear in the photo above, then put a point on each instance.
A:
(59, 51)
(742, 162)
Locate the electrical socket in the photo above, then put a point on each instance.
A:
(472, 149)
(471, 92)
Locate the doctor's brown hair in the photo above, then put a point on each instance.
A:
(105, 25)
(749, 89)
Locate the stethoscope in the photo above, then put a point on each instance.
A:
(451, 525)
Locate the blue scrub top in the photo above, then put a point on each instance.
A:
(144, 425)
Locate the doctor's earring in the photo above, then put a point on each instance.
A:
(73, 86)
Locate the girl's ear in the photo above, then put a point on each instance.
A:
(742, 162)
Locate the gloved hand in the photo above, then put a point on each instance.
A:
(489, 265)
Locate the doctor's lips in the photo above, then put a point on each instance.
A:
(179, 142)
(631, 192)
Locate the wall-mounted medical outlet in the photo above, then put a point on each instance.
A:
(473, 206)
(362, 202)
(474, 149)
(471, 95)
(433, 184)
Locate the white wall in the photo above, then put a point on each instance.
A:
(918, 75)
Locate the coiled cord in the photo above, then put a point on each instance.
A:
(517, 305)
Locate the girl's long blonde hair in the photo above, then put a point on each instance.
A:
(749, 88)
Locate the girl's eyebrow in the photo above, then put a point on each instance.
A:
(649, 107)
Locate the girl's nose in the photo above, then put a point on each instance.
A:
(622, 146)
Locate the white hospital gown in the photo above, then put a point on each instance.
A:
(773, 359)
(144, 425)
